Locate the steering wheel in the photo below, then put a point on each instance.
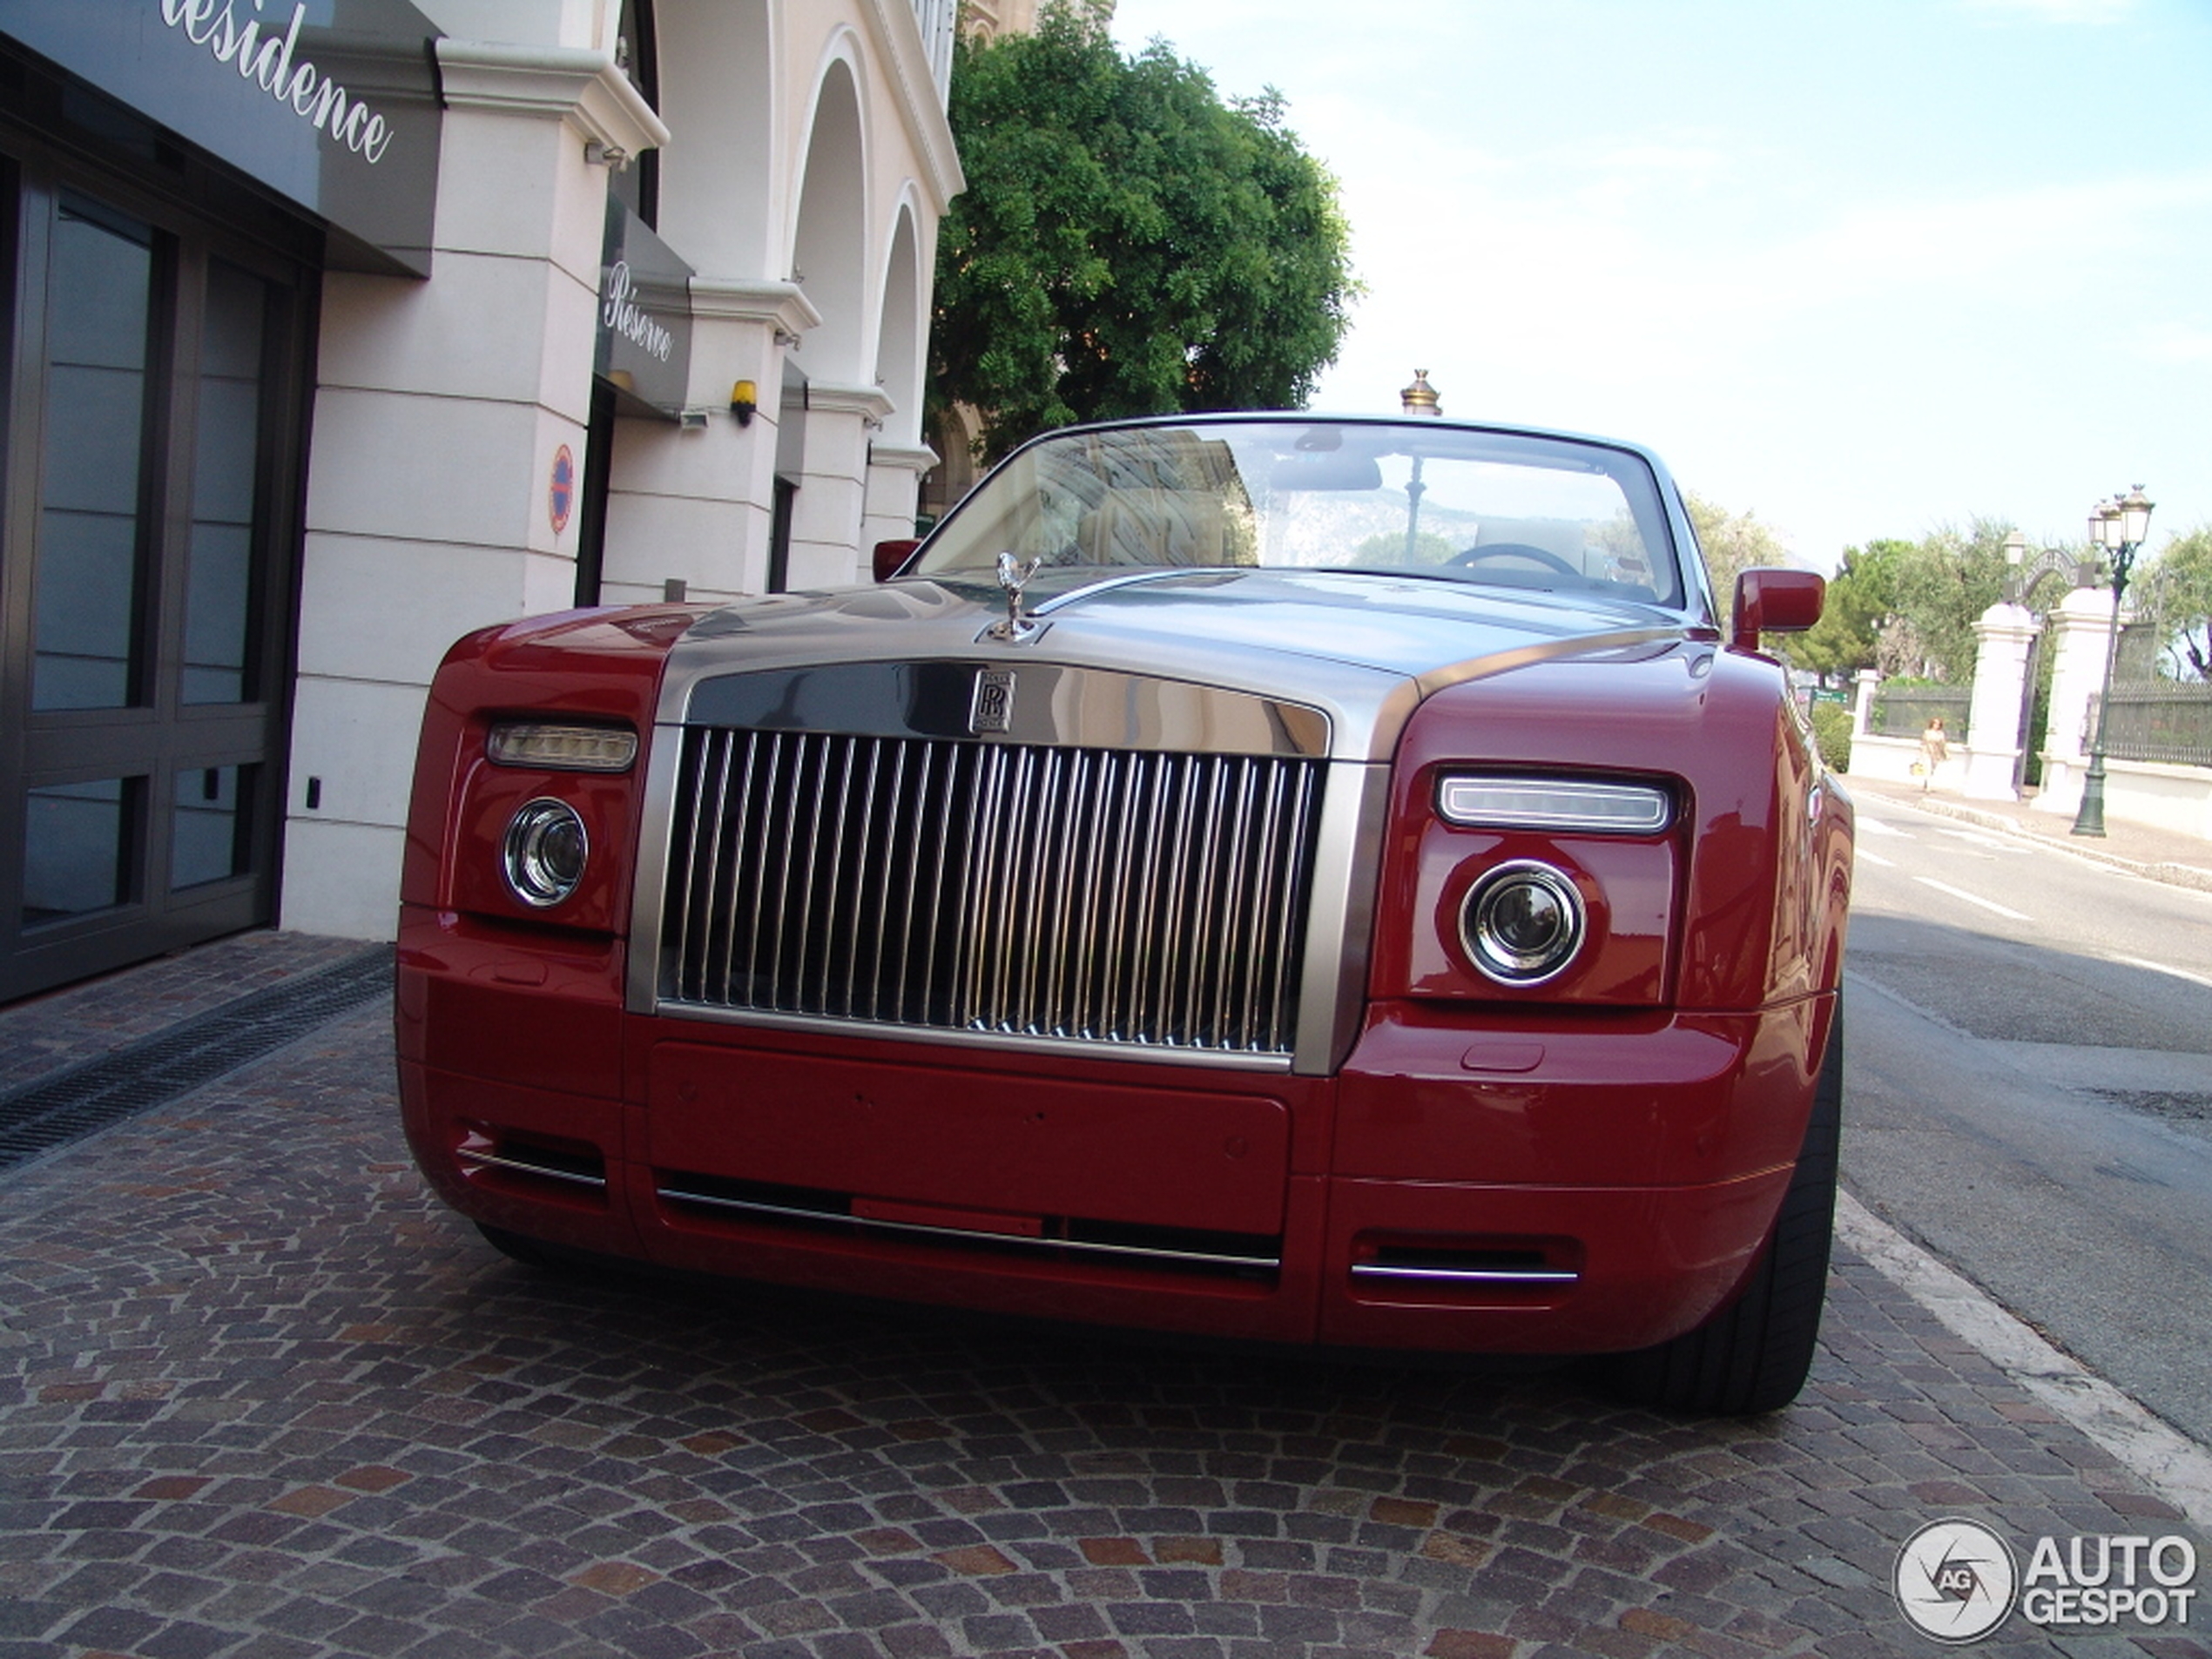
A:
(1515, 550)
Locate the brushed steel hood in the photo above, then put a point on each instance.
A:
(1361, 648)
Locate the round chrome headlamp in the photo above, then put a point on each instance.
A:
(544, 852)
(1522, 922)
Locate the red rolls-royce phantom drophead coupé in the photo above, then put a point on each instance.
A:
(1322, 881)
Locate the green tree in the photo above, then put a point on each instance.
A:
(1128, 243)
(2174, 591)
(1939, 587)
(1860, 598)
(1732, 544)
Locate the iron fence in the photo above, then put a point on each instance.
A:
(1905, 710)
(2165, 720)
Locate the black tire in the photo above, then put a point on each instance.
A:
(1753, 1354)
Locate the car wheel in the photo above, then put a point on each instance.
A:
(1753, 1354)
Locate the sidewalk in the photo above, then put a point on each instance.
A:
(2155, 854)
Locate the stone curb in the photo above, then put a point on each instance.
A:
(2167, 1460)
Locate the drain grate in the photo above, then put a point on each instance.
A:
(55, 1111)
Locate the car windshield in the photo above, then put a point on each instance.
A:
(1447, 502)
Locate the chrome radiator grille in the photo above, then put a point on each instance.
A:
(1108, 895)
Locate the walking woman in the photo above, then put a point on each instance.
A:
(1934, 750)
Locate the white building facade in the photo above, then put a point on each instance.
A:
(404, 319)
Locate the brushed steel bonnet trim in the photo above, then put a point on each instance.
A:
(1043, 703)
(1366, 704)
(1199, 696)
(655, 819)
(912, 623)
(1339, 926)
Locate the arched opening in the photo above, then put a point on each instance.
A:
(717, 92)
(898, 359)
(829, 248)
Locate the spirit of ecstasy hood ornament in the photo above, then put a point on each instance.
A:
(1013, 576)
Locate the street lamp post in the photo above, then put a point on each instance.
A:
(2118, 526)
(1419, 398)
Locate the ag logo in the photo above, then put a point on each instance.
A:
(1955, 1581)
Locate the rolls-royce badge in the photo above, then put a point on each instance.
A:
(992, 708)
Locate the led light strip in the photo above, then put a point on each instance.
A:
(1486, 802)
(561, 748)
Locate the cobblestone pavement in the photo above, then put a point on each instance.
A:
(47, 1034)
(260, 1395)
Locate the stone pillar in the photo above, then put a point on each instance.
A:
(1862, 708)
(2081, 628)
(2002, 638)
(693, 505)
(440, 410)
(894, 487)
(826, 545)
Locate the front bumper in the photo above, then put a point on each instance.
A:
(1461, 1184)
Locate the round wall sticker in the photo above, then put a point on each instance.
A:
(560, 494)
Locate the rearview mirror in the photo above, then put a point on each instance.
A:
(891, 556)
(1776, 602)
(1342, 470)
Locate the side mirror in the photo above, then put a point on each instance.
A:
(1770, 601)
(890, 555)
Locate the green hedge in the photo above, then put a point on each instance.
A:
(1831, 731)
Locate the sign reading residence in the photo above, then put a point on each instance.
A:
(644, 346)
(332, 103)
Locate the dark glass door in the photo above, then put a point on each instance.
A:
(150, 465)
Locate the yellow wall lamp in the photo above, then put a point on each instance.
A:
(744, 401)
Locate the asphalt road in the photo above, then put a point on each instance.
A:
(2029, 1088)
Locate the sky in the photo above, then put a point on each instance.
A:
(1863, 269)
